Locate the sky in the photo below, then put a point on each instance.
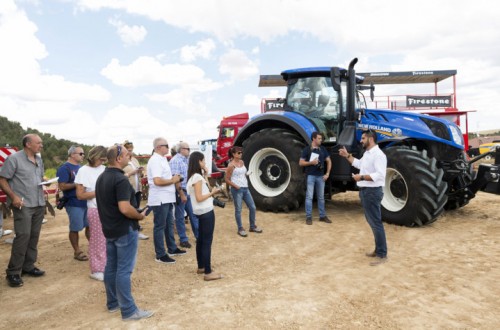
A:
(104, 71)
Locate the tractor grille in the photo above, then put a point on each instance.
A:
(437, 128)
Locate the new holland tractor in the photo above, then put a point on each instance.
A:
(428, 170)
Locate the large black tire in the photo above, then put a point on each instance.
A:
(414, 192)
(276, 180)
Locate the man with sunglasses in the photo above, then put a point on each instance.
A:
(75, 208)
(161, 199)
(179, 165)
(371, 180)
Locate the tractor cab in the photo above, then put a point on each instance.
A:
(315, 98)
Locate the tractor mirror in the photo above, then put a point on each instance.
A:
(335, 76)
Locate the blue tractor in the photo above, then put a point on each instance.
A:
(428, 170)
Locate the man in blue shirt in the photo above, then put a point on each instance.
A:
(179, 165)
(76, 209)
(313, 159)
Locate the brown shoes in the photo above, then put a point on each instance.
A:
(371, 254)
(378, 261)
(212, 277)
(325, 219)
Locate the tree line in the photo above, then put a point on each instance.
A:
(55, 151)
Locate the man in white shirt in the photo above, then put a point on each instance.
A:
(161, 200)
(371, 180)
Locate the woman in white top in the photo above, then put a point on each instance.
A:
(202, 203)
(236, 178)
(85, 180)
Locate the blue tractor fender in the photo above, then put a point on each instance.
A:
(278, 119)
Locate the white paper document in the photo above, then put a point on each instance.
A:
(313, 156)
(49, 181)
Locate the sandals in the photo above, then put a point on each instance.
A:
(80, 256)
(212, 277)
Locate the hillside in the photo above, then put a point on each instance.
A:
(54, 150)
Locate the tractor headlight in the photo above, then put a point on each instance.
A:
(456, 135)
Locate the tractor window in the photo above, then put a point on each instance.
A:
(315, 98)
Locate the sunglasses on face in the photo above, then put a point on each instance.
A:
(80, 153)
(164, 145)
(238, 152)
(188, 149)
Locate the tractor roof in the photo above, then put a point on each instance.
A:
(398, 77)
(407, 77)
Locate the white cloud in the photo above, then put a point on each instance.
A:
(251, 100)
(237, 65)
(130, 35)
(184, 100)
(22, 77)
(147, 70)
(202, 49)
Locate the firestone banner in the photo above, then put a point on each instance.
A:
(428, 101)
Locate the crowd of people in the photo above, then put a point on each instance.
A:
(103, 197)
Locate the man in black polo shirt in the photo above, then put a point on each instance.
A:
(119, 217)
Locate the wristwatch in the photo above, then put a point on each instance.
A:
(362, 178)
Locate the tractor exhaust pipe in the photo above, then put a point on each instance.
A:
(351, 91)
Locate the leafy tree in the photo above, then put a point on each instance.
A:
(55, 151)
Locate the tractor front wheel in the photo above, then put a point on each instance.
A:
(276, 180)
(414, 192)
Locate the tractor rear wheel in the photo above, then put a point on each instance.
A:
(276, 180)
(414, 192)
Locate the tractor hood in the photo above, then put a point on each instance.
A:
(391, 124)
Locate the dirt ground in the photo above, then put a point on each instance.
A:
(292, 276)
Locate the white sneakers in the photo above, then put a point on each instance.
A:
(143, 237)
(5, 232)
(98, 276)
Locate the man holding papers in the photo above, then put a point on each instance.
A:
(313, 159)
(20, 179)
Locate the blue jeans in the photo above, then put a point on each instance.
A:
(315, 183)
(179, 219)
(371, 199)
(240, 195)
(204, 243)
(121, 255)
(163, 229)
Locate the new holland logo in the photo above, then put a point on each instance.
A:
(397, 132)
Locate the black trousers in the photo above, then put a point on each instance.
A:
(204, 241)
